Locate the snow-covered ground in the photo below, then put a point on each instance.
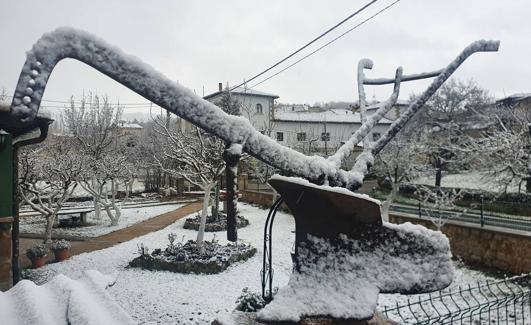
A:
(473, 180)
(169, 298)
(97, 227)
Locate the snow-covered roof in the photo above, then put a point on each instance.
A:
(330, 116)
(514, 97)
(399, 102)
(131, 126)
(243, 91)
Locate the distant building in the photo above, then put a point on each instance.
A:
(130, 133)
(256, 106)
(127, 128)
(320, 132)
(395, 112)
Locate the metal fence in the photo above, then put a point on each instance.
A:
(502, 302)
(505, 221)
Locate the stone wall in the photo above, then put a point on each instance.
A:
(263, 199)
(491, 247)
(5, 253)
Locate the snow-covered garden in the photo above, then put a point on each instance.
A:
(346, 259)
(154, 297)
(95, 227)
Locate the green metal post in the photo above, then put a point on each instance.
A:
(6, 204)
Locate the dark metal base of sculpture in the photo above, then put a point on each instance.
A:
(345, 255)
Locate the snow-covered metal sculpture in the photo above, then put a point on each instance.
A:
(146, 81)
(345, 254)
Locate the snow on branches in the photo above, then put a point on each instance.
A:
(193, 155)
(48, 177)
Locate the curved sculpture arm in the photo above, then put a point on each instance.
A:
(348, 147)
(143, 79)
(417, 104)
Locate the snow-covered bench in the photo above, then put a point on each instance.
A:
(82, 212)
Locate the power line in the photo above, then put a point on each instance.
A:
(326, 44)
(307, 44)
(55, 101)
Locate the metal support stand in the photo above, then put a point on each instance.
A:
(267, 268)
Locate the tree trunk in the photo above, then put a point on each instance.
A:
(386, 205)
(215, 205)
(528, 185)
(97, 208)
(231, 173)
(49, 226)
(438, 172)
(204, 211)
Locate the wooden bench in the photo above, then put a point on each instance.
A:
(81, 219)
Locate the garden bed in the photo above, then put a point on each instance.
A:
(187, 258)
(212, 224)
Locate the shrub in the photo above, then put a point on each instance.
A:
(250, 301)
(60, 245)
(37, 251)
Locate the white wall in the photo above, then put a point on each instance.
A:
(260, 121)
(339, 132)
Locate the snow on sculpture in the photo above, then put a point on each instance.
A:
(67, 42)
(344, 254)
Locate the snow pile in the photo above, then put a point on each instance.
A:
(62, 301)
(343, 278)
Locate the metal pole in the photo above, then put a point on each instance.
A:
(482, 218)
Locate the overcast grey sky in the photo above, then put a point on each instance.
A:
(201, 43)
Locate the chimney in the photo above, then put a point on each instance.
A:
(220, 85)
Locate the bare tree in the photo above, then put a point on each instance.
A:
(102, 180)
(440, 204)
(94, 126)
(503, 151)
(195, 156)
(48, 177)
(447, 117)
(397, 163)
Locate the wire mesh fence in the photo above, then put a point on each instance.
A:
(493, 302)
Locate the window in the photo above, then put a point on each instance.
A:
(301, 136)
(259, 108)
(280, 136)
(376, 136)
(325, 136)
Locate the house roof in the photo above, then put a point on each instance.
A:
(399, 102)
(245, 92)
(514, 98)
(330, 116)
(131, 126)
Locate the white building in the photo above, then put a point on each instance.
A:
(299, 126)
(320, 132)
(256, 106)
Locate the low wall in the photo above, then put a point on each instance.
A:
(491, 247)
(263, 199)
